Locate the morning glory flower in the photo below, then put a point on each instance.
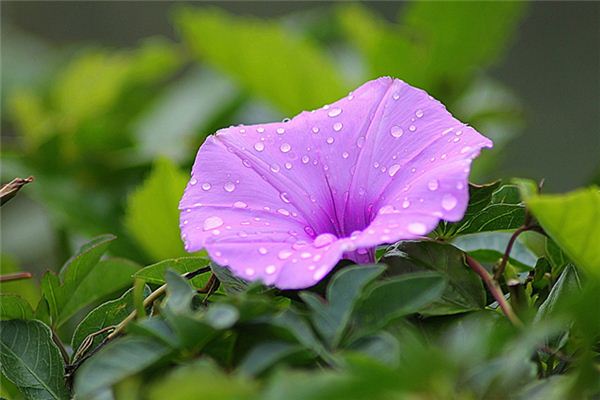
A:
(283, 202)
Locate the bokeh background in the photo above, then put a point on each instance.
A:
(105, 103)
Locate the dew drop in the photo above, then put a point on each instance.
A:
(246, 163)
(280, 131)
(460, 186)
(212, 223)
(433, 184)
(283, 211)
(309, 231)
(419, 113)
(443, 156)
(465, 149)
(449, 202)
(240, 204)
(249, 272)
(360, 142)
(305, 159)
(284, 254)
(396, 96)
(337, 126)
(193, 181)
(259, 146)
(206, 186)
(285, 147)
(284, 197)
(229, 187)
(270, 269)
(394, 169)
(456, 139)
(396, 131)
(405, 204)
(334, 112)
(324, 239)
(330, 140)
(260, 130)
(288, 165)
(263, 250)
(319, 274)
(345, 155)
(412, 128)
(242, 131)
(275, 167)
(305, 255)
(417, 228)
(315, 130)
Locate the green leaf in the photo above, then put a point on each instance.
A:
(231, 283)
(492, 207)
(424, 41)
(382, 347)
(179, 293)
(265, 355)
(30, 359)
(155, 273)
(109, 313)
(14, 307)
(565, 288)
(221, 316)
(490, 246)
(108, 276)
(344, 290)
(397, 297)
(242, 47)
(201, 377)
(573, 221)
(88, 255)
(115, 362)
(152, 215)
(464, 291)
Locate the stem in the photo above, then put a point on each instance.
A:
(15, 277)
(495, 290)
(509, 246)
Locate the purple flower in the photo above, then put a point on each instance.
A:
(284, 202)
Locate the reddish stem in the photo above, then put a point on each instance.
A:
(15, 277)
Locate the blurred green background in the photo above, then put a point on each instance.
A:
(97, 96)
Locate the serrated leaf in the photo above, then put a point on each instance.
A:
(30, 359)
(573, 221)
(117, 361)
(155, 273)
(464, 291)
(14, 307)
(152, 215)
(330, 318)
(242, 46)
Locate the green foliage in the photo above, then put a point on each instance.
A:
(31, 360)
(572, 221)
(108, 137)
(152, 215)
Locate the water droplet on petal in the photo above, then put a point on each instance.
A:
(206, 186)
(396, 96)
(309, 231)
(345, 155)
(284, 254)
(240, 204)
(270, 269)
(465, 149)
(449, 202)
(249, 271)
(334, 112)
(229, 187)
(412, 128)
(193, 181)
(246, 163)
(275, 167)
(396, 131)
(319, 274)
(283, 211)
(288, 165)
(337, 126)
(242, 131)
(419, 113)
(460, 186)
(284, 197)
(263, 250)
(323, 240)
(394, 169)
(315, 130)
(280, 131)
(405, 203)
(260, 130)
(212, 223)
(433, 184)
(456, 139)
(285, 147)
(305, 255)
(360, 142)
(259, 146)
(305, 159)
(330, 140)
(417, 228)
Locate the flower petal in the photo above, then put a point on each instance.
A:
(283, 202)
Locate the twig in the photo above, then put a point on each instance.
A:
(15, 277)
(509, 246)
(11, 189)
(494, 289)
